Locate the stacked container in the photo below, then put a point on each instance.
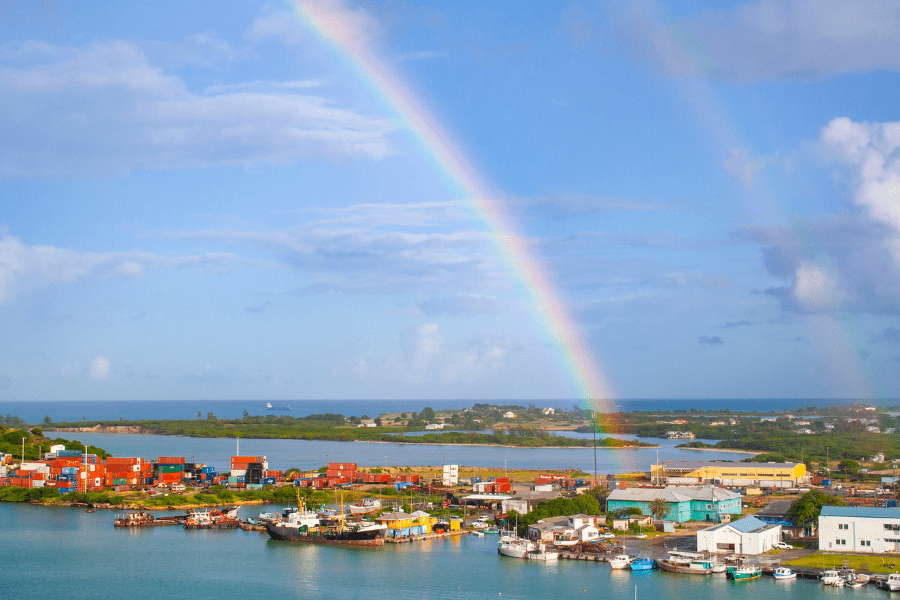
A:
(170, 469)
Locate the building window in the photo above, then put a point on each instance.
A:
(865, 543)
(892, 526)
(708, 506)
(843, 526)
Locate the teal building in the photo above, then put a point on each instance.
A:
(704, 503)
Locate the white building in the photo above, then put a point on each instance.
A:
(509, 415)
(859, 529)
(744, 536)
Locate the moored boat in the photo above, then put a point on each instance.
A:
(367, 506)
(516, 548)
(833, 578)
(642, 563)
(783, 573)
(542, 552)
(619, 561)
(892, 583)
(743, 573)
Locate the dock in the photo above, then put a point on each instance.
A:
(418, 537)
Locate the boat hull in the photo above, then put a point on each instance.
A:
(671, 567)
(336, 538)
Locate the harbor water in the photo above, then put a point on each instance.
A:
(307, 455)
(68, 553)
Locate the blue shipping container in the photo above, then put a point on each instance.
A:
(476, 479)
(69, 453)
(268, 481)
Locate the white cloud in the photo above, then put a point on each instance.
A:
(871, 151)
(105, 108)
(770, 39)
(24, 268)
(815, 289)
(101, 367)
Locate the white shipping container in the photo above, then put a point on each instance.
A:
(238, 472)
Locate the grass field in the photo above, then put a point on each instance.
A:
(860, 562)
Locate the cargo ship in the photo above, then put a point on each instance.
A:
(306, 526)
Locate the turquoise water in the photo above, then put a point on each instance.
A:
(67, 553)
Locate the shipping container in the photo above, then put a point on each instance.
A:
(268, 481)
(342, 466)
(171, 460)
(171, 468)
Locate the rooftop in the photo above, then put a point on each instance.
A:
(860, 511)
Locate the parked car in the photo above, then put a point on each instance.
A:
(782, 546)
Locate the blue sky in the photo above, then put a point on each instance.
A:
(206, 201)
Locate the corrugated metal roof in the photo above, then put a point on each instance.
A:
(708, 493)
(698, 464)
(745, 525)
(646, 495)
(860, 511)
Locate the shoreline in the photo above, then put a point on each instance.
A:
(730, 450)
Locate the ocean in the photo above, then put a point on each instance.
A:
(34, 412)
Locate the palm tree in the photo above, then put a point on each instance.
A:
(659, 508)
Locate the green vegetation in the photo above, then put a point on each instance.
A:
(869, 563)
(335, 427)
(36, 443)
(585, 503)
(805, 510)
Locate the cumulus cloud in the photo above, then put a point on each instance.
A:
(850, 261)
(105, 108)
(711, 340)
(24, 267)
(100, 368)
(769, 39)
(871, 152)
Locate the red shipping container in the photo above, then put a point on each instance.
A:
(338, 473)
(246, 459)
(171, 460)
(122, 461)
(342, 466)
(275, 474)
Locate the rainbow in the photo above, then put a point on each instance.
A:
(335, 27)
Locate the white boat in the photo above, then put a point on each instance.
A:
(516, 548)
(619, 561)
(784, 573)
(542, 552)
(368, 505)
(892, 583)
(832, 577)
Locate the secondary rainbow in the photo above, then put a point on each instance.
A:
(338, 28)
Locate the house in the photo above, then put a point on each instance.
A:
(549, 411)
(729, 474)
(523, 501)
(509, 415)
(571, 529)
(433, 426)
(400, 524)
(859, 529)
(701, 503)
(744, 536)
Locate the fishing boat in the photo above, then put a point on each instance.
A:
(833, 578)
(542, 552)
(619, 561)
(213, 519)
(642, 563)
(689, 563)
(305, 526)
(367, 506)
(516, 548)
(852, 579)
(892, 583)
(784, 573)
(743, 573)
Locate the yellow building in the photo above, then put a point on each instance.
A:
(729, 474)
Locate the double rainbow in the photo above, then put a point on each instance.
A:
(328, 25)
